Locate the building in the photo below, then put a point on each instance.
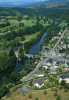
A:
(39, 83)
(44, 66)
(65, 78)
(53, 69)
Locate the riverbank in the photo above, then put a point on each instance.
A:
(31, 40)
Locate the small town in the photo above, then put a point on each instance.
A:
(34, 49)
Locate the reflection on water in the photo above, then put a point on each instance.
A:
(37, 47)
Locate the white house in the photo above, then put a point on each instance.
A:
(38, 85)
(40, 75)
(65, 79)
(48, 64)
(46, 67)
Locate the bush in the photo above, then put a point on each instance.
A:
(3, 91)
(30, 96)
(36, 98)
(58, 98)
(66, 90)
(56, 93)
(45, 92)
(63, 83)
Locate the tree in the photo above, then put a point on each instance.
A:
(21, 54)
(30, 95)
(56, 92)
(31, 83)
(36, 98)
(45, 92)
(58, 98)
(63, 83)
(11, 62)
(15, 77)
(19, 17)
(3, 61)
(3, 91)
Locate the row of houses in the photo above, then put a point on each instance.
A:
(39, 82)
(52, 66)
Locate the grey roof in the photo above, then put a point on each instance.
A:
(66, 75)
(24, 90)
(40, 81)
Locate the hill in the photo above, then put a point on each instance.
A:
(61, 10)
(34, 3)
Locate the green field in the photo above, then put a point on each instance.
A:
(50, 95)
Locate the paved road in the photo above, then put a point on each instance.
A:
(31, 74)
(62, 35)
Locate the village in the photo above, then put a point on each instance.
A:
(52, 70)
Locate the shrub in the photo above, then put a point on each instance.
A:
(58, 98)
(56, 93)
(30, 96)
(36, 98)
(45, 92)
(3, 91)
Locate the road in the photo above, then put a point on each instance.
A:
(62, 35)
(33, 73)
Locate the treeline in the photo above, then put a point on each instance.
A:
(7, 66)
(33, 11)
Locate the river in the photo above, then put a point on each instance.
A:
(34, 50)
(37, 46)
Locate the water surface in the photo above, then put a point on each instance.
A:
(37, 46)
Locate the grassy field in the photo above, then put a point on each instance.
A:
(33, 36)
(38, 94)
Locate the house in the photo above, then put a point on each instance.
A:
(40, 75)
(66, 69)
(44, 66)
(39, 83)
(60, 33)
(53, 69)
(65, 78)
(48, 64)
